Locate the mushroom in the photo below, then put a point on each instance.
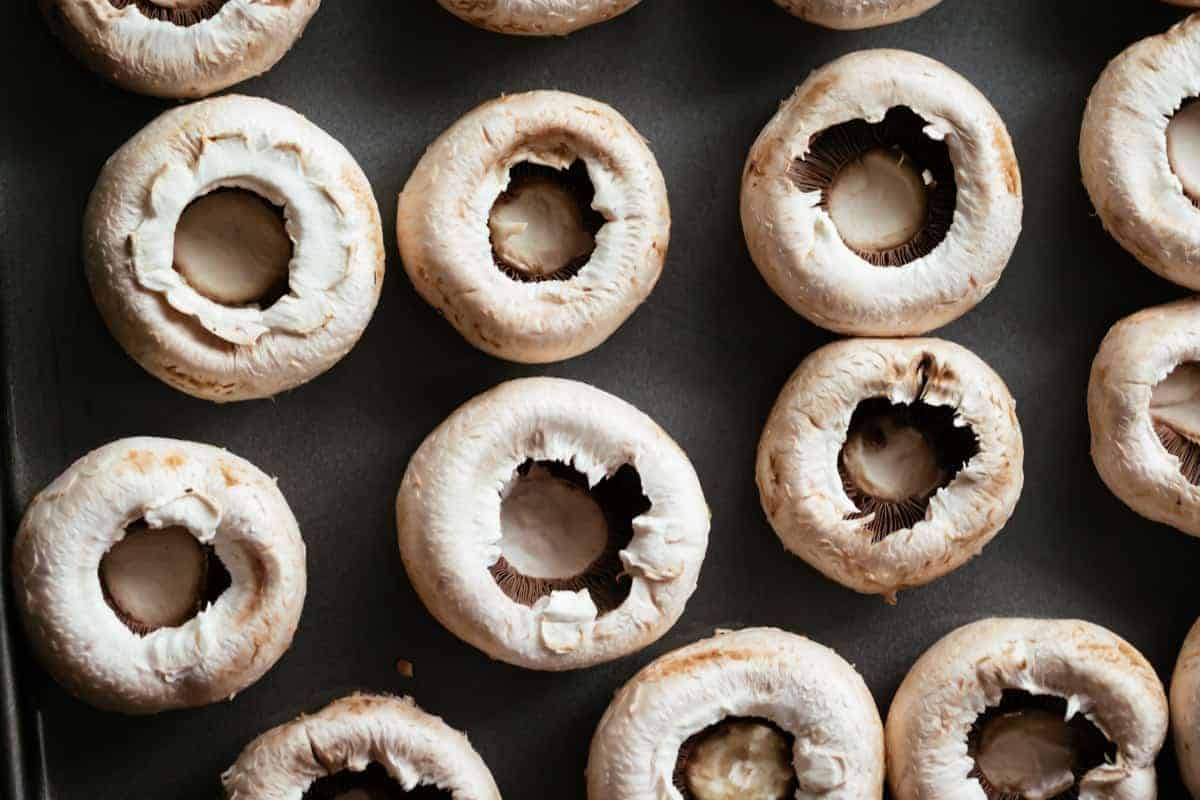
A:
(156, 574)
(536, 17)
(1022, 708)
(1185, 710)
(884, 198)
(1140, 152)
(357, 748)
(886, 464)
(856, 14)
(755, 714)
(178, 48)
(537, 224)
(234, 249)
(552, 525)
(1144, 410)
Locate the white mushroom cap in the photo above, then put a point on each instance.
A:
(797, 246)
(202, 347)
(1096, 672)
(448, 518)
(225, 502)
(1185, 710)
(141, 53)
(855, 14)
(1136, 356)
(802, 490)
(1123, 152)
(416, 749)
(806, 689)
(444, 236)
(536, 17)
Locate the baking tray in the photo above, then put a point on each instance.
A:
(705, 357)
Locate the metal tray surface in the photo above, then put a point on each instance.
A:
(705, 357)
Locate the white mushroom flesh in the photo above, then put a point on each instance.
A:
(1028, 754)
(537, 228)
(891, 462)
(550, 528)
(155, 578)
(878, 201)
(742, 761)
(1183, 148)
(231, 247)
(1176, 401)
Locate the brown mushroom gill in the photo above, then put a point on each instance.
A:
(737, 757)
(1175, 414)
(557, 534)
(542, 226)
(1183, 148)
(373, 783)
(1025, 748)
(179, 12)
(888, 188)
(160, 578)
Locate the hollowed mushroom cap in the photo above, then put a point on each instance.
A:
(536, 17)
(202, 347)
(445, 241)
(225, 502)
(1185, 710)
(795, 243)
(416, 749)
(141, 53)
(1096, 672)
(802, 490)
(448, 518)
(1136, 355)
(806, 689)
(855, 14)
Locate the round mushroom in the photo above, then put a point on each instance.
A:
(884, 198)
(537, 17)
(234, 249)
(1025, 708)
(1144, 411)
(856, 14)
(536, 224)
(756, 714)
(886, 464)
(359, 747)
(156, 574)
(1185, 710)
(1140, 152)
(552, 525)
(178, 48)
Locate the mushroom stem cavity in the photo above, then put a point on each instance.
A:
(1175, 414)
(1183, 148)
(179, 12)
(888, 188)
(232, 246)
(372, 783)
(896, 457)
(543, 226)
(559, 534)
(737, 759)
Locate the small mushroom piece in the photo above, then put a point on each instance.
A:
(886, 463)
(1021, 708)
(552, 525)
(1185, 710)
(234, 249)
(178, 48)
(754, 714)
(157, 574)
(890, 215)
(1144, 411)
(361, 747)
(537, 17)
(1140, 152)
(536, 224)
(856, 14)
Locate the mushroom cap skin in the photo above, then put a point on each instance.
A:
(1136, 355)
(801, 488)
(1099, 674)
(445, 242)
(803, 687)
(416, 749)
(856, 14)
(201, 347)
(448, 520)
(224, 501)
(157, 57)
(1185, 710)
(796, 244)
(1123, 152)
(536, 17)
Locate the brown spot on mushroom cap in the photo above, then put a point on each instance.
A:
(186, 14)
(142, 460)
(174, 460)
(231, 479)
(1008, 161)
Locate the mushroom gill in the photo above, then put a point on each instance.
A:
(1175, 414)
(739, 758)
(179, 12)
(372, 783)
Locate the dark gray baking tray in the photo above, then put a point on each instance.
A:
(705, 357)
